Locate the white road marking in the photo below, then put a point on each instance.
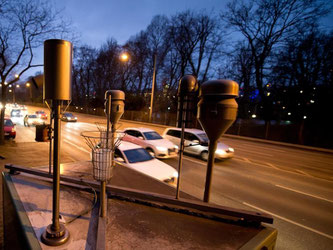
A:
(302, 172)
(254, 152)
(246, 160)
(195, 161)
(78, 147)
(271, 165)
(290, 221)
(256, 146)
(300, 192)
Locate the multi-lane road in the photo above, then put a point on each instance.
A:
(294, 185)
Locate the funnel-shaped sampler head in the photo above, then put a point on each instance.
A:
(117, 104)
(217, 108)
(187, 84)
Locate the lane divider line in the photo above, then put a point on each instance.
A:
(250, 151)
(78, 147)
(195, 161)
(302, 172)
(273, 166)
(290, 221)
(246, 160)
(300, 192)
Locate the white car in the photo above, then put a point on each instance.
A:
(137, 158)
(30, 120)
(196, 143)
(152, 142)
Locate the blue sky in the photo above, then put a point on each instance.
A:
(98, 20)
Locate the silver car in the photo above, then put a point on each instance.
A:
(196, 143)
(152, 142)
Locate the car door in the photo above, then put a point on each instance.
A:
(133, 136)
(173, 136)
(191, 143)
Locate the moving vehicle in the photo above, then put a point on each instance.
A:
(9, 128)
(68, 117)
(41, 114)
(32, 120)
(196, 143)
(151, 141)
(137, 158)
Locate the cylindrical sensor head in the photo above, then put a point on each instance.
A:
(187, 84)
(57, 70)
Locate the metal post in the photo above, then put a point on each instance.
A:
(56, 234)
(210, 165)
(152, 90)
(50, 137)
(181, 150)
(103, 183)
(56, 167)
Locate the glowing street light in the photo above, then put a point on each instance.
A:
(27, 84)
(124, 57)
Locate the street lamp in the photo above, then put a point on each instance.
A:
(152, 89)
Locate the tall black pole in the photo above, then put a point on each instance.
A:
(56, 166)
(181, 150)
(210, 166)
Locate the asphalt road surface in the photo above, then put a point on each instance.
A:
(294, 185)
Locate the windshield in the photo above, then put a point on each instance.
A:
(16, 113)
(137, 155)
(32, 116)
(152, 136)
(69, 114)
(9, 123)
(203, 138)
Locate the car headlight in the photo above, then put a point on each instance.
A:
(161, 148)
(231, 150)
(175, 174)
(75, 118)
(220, 152)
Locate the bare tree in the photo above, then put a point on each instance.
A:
(24, 25)
(197, 37)
(265, 24)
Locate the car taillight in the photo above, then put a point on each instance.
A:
(13, 129)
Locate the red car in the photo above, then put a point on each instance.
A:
(41, 114)
(10, 130)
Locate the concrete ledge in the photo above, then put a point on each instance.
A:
(18, 231)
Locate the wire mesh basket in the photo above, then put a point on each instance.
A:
(102, 151)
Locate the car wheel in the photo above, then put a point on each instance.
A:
(204, 155)
(151, 152)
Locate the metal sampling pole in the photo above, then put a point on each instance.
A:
(103, 183)
(187, 85)
(57, 87)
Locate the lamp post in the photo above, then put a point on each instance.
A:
(28, 85)
(124, 57)
(152, 89)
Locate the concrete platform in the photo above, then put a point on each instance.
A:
(132, 221)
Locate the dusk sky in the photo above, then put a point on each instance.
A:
(96, 21)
